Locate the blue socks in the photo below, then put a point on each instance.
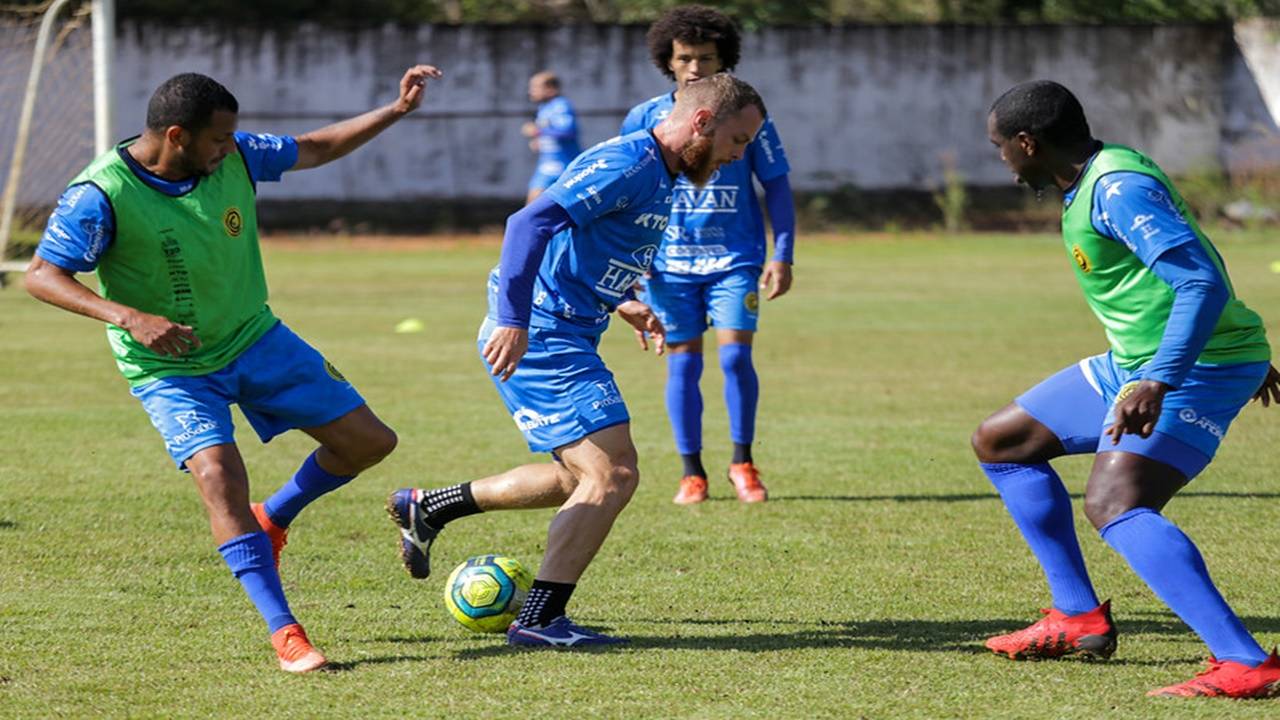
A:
(684, 400)
(310, 482)
(249, 557)
(741, 391)
(1041, 508)
(1169, 563)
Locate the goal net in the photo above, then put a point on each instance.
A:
(47, 80)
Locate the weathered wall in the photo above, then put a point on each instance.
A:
(874, 107)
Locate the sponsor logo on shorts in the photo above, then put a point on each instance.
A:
(1191, 417)
(232, 221)
(193, 424)
(527, 419)
(752, 301)
(610, 395)
(1081, 259)
(333, 372)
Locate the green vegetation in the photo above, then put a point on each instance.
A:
(751, 13)
(863, 588)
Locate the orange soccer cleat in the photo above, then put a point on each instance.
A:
(1226, 678)
(693, 489)
(279, 536)
(295, 651)
(746, 482)
(1091, 635)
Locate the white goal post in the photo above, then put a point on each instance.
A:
(56, 117)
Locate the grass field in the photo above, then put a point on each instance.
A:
(864, 588)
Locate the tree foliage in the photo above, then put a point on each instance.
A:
(753, 14)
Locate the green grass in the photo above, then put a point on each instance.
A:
(863, 589)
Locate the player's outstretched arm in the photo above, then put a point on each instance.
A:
(332, 142)
(58, 287)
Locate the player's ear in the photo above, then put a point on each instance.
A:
(177, 136)
(1028, 143)
(703, 120)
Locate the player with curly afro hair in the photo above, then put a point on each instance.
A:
(694, 41)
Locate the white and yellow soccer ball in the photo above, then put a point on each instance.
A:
(485, 592)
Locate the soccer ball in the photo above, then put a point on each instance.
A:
(485, 592)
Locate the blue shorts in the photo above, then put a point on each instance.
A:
(561, 391)
(546, 174)
(280, 383)
(1077, 404)
(728, 301)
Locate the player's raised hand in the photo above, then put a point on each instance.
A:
(776, 280)
(413, 86)
(1270, 390)
(1138, 412)
(504, 349)
(646, 324)
(161, 335)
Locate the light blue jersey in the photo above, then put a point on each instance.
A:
(719, 227)
(618, 194)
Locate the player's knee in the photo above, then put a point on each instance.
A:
(370, 449)
(381, 444)
(613, 485)
(986, 442)
(1102, 507)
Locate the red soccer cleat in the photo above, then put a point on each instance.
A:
(279, 536)
(1091, 635)
(295, 651)
(1226, 678)
(746, 482)
(693, 489)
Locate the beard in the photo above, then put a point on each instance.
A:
(695, 160)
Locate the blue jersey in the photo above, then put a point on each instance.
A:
(557, 131)
(719, 227)
(83, 226)
(618, 194)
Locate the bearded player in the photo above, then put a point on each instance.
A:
(570, 259)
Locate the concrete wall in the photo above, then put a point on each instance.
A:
(874, 107)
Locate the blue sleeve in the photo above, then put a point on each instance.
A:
(267, 156)
(596, 184)
(782, 216)
(768, 160)
(1136, 210)
(633, 121)
(80, 229)
(525, 242)
(1200, 294)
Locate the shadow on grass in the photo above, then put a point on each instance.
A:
(349, 665)
(941, 636)
(7, 524)
(979, 497)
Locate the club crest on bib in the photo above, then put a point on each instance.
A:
(232, 221)
(1081, 259)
